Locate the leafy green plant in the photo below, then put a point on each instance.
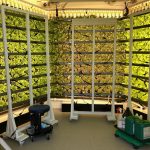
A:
(3, 86)
(122, 46)
(60, 58)
(37, 35)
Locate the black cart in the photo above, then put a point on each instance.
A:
(37, 126)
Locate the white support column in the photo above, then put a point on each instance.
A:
(72, 114)
(4, 144)
(148, 113)
(129, 105)
(11, 125)
(29, 58)
(112, 116)
(93, 70)
(50, 117)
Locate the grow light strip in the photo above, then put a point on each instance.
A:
(87, 13)
(141, 6)
(72, 13)
(16, 5)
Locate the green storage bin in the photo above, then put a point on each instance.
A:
(129, 124)
(142, 130)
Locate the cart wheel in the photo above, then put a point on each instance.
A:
(21, 143)
(135, 147)
(48, 137)
(32, 139)
(51, 131)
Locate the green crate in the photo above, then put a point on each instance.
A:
(129, 124)
(142, 130)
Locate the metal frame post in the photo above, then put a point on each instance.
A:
(4, 144)
(93, 70)
(50, 117)
(129, 104)
(112, 116)
(148, 113)
(29, 58)
(72, 114)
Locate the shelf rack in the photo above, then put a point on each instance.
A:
(95, 34)
(20, 65)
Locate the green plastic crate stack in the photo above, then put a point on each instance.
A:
(142, 129)
(130, 124)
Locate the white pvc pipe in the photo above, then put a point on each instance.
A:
(148, 113)
(4, 144)
(51, 113)
(114, 75)
(47, 58)
(6, 59)
(72, 73)
(93, 70)
(129, 104)
(29, 58)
